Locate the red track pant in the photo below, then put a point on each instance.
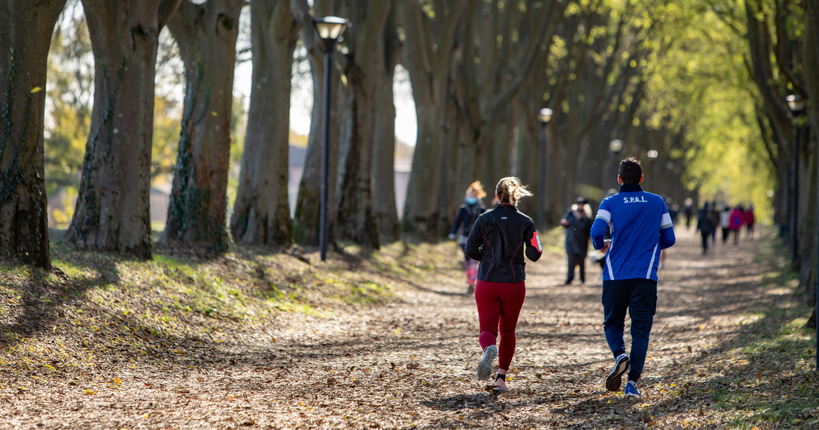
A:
(499, 304)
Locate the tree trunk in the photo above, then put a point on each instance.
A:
(355, 200)
(451, 194)
(113, 212)
(24, 44)
(261, 215)
(420, 216)
(308, 203)
(428, 49)
(206, 35)
(383, 176)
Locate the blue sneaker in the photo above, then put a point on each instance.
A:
(621, 366)
(631, 389)
(485, 366)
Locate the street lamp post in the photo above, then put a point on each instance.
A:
(652, 155)
(796, 104)
(545, 115)
(615, 146)
(329, 29)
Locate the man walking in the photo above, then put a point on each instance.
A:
(578, 228)
(705, 225)
(641, 228)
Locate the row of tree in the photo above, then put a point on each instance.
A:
(480, 71)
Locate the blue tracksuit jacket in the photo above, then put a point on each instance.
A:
(640, 228)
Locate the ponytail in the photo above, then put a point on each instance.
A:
(510, 191)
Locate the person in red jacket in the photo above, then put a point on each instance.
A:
(499, 240)
(750, 220)
(735, 223)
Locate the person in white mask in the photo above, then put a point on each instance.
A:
(469, 212)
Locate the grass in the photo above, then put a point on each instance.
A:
(97, 304)
(767, 376)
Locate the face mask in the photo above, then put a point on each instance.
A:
(471, 200)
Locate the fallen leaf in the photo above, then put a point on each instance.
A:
(35, 90)
(117, 381)
(89, 391)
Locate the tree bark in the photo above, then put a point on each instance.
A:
(112, 212)
(309, 199)
(206, 35)
(383, 176)
(356, 220)
(428, 53)
(261, 215)
(24, 44)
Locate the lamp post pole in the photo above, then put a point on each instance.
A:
(652, 155)
(545, 115)
(615, 146)
(796, 105)
(325, 152)
(329, 29)
(795, 193)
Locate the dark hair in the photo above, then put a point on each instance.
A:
(631, 171)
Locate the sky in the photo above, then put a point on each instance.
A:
(301, 102)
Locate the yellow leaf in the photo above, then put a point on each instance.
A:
(35, 90)
(146, 415)
(213, 113)
(217, 341)
(89, 391)
(176, 351)
(117, 381)
(272, 339)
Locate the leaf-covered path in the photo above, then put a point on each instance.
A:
(411, 363)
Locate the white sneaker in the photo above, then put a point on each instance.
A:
(485, 366)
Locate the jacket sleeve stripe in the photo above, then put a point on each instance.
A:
(606, 215)
(666, 221)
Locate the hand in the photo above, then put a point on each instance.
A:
(451, 236)
(605, 248)
(564, 222)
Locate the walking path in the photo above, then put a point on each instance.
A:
(412, 363)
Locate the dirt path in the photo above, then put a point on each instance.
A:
(412, 364)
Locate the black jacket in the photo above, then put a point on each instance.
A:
(577, 234)
(497, 241)
(467, 216)
(705, 225)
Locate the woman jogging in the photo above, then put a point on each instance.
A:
(469, 212)
(499, 240)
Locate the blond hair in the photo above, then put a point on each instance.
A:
(476, 187)
(510, 190)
